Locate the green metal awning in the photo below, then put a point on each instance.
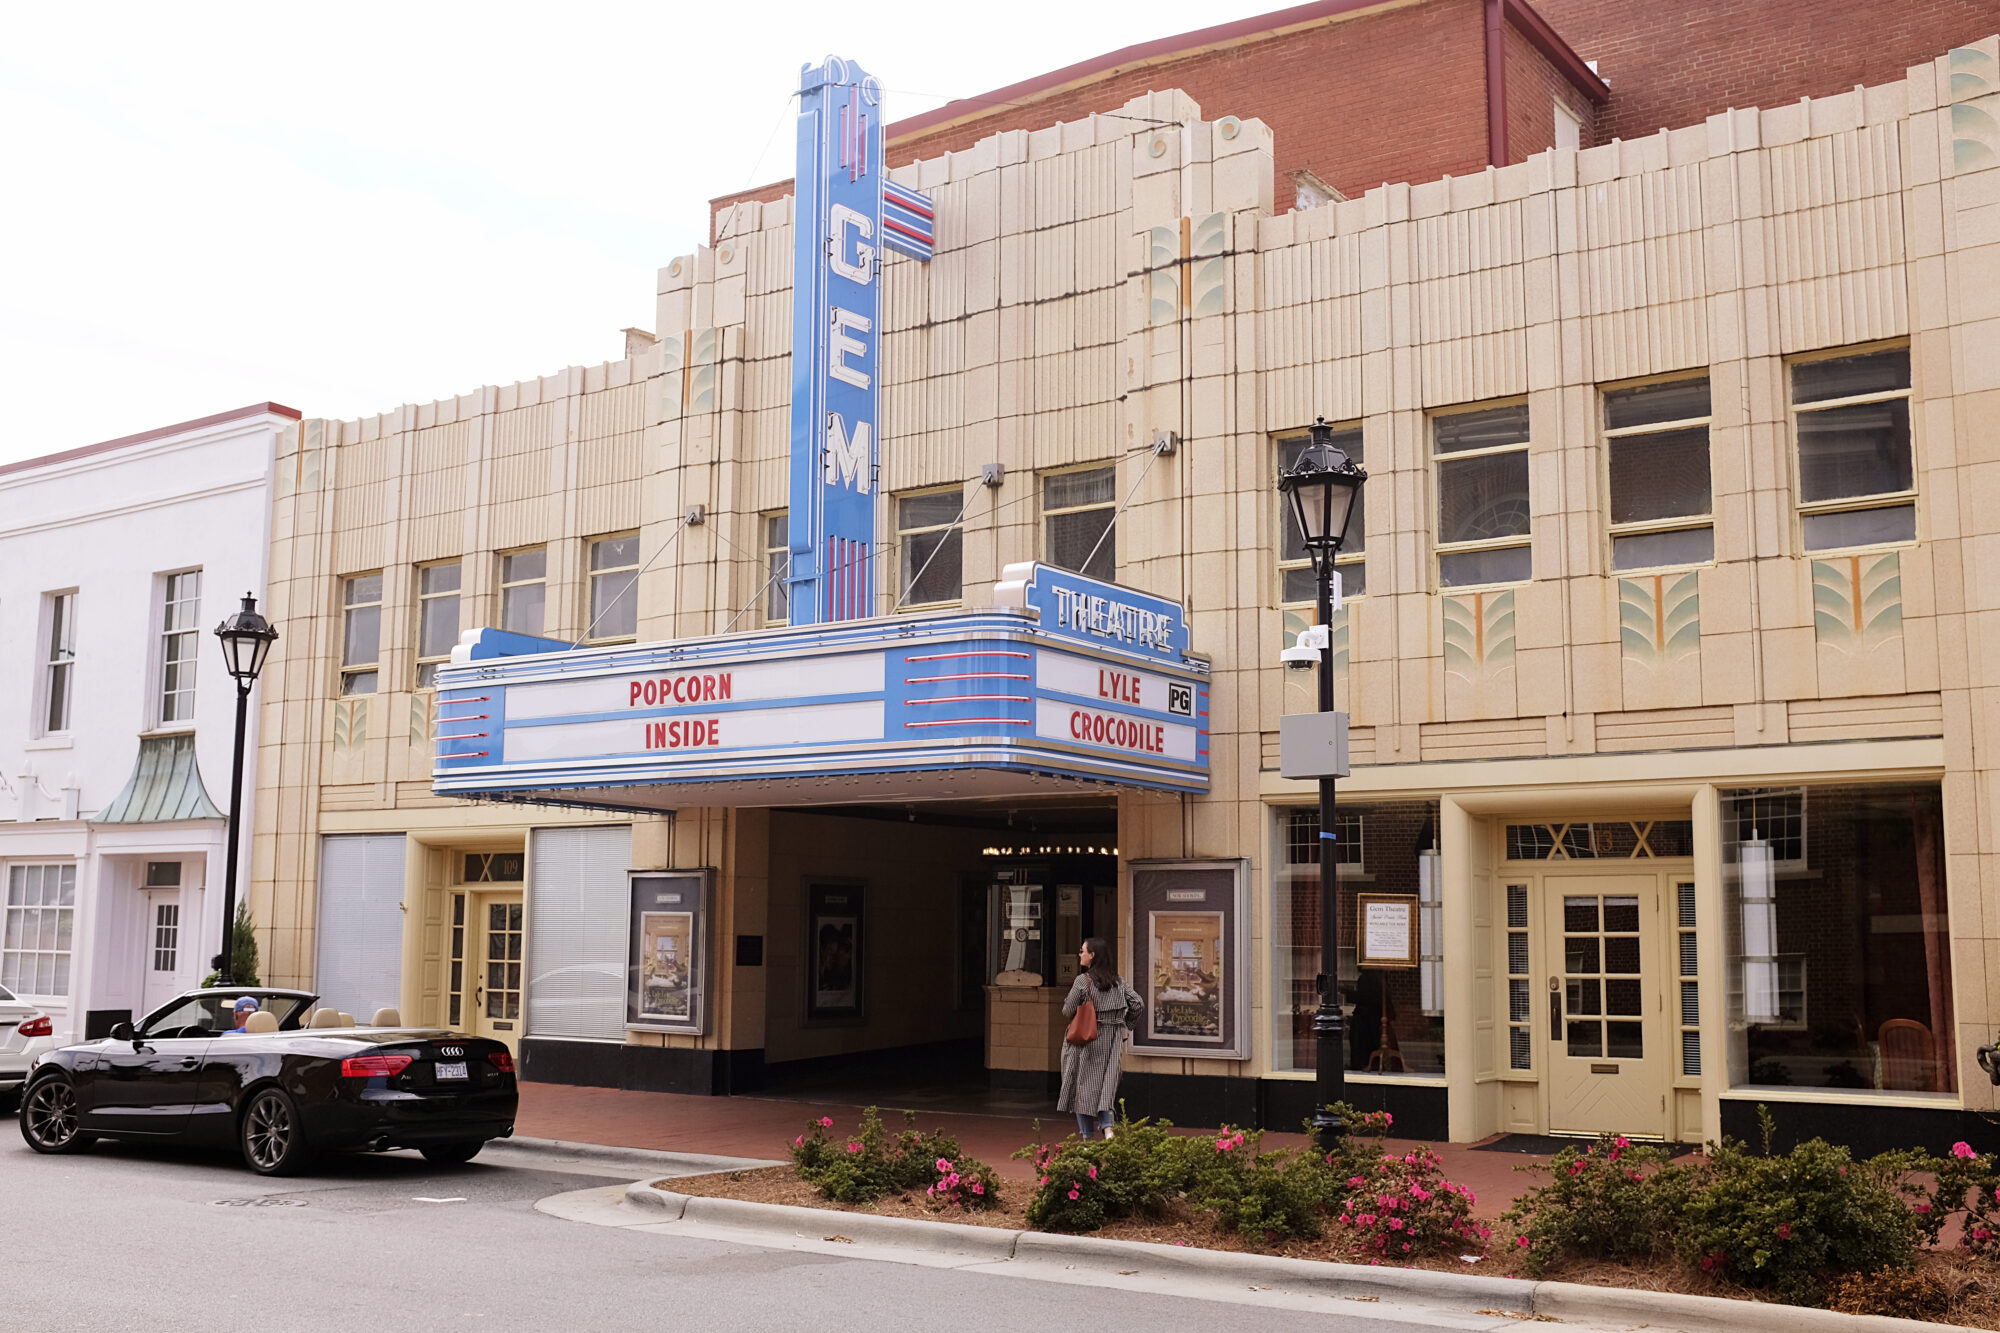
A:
(165, 786)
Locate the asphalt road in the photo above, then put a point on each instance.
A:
(121, 1237)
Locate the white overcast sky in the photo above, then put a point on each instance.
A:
(344, 208)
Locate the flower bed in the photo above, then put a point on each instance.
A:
(1811, 1226)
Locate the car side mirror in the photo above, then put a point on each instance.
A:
(122, 1032)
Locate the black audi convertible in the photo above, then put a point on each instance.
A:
(293, 1082)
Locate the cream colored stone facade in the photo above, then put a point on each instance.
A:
(1100, 283)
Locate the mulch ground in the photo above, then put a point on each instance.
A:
(1957, 1289)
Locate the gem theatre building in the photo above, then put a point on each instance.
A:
(801, 690)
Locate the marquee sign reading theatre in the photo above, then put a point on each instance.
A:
(1066, 679)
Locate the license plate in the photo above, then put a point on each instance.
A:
(445, 1071)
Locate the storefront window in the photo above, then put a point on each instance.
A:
(1394, 1017)
(1840, 947)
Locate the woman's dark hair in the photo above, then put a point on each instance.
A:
(1103, 972)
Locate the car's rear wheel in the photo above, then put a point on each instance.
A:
(49, 1117)
(454, 1153)
(274, 1141)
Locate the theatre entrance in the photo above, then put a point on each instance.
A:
(917, 957)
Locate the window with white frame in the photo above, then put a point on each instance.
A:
(35, 937)
(1568, 127)
(360, 632)
(59, 662)
(1295, 571)
(1483, 510)
(777, 566)
(1656, 451)
(1857, 476)
(614, 588)
(524, 590)
(1078, 512)
(180, 645)
(930, 547)
(438, 589)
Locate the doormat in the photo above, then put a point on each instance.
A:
(1547, 1145)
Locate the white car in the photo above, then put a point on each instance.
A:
(25, 1032)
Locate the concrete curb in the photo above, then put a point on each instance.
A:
(1466, 1292)
(678, 1163)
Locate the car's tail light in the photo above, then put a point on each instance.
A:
(502, 1061)
(374, 1066)
(38, 1026)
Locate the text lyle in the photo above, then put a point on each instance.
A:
(1119, 686)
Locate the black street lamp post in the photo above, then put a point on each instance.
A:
(1323, 486)
(246, 640)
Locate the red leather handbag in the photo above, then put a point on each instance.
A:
(1082, 1024)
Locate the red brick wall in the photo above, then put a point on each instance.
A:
(1533, 89)
(1676, 62)
(1398, 95)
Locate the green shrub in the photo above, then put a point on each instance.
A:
(1404, 1208)
(1792, 1222)
(1360, 1148)
(1258, 1194)
(1082, 1183)
(1612, 1199)
(870, 1164)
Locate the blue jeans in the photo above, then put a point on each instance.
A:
(1088, 1124)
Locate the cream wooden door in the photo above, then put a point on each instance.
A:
(497, 942)
(1604, 1025)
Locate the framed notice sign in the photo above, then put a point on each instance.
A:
(1386, 929)
(835, 934)
(666, 978)
(1190, 959)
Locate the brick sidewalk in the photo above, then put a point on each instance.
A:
(763, 1127)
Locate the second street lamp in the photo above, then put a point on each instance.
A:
(246, 641)
(1323, 486)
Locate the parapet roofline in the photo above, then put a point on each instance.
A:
(146, 436)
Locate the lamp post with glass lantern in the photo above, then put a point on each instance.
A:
(246, 641)
(1323, 486)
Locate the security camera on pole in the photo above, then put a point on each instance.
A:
(1323, 486)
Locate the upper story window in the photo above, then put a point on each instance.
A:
(59, 662)
(1294, 561)
(1568, 127)
(930, 547)
(360, 632)
(1857, 479)
(777, 565)
(437, 618)
(524, 590)
(1077, 521)
(180, 645)
(614, 588)
(1483, 509)
(1656, 447)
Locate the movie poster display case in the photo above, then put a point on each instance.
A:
(1190, 958)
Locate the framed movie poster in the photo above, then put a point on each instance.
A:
(835, 953)
(666, 980)
(1189, 957)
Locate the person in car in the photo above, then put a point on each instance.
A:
(241, 1013)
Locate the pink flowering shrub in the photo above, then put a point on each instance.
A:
(1268, 1195)
(1080, 1184)
(870, 1163)
(1403, 1207)
(967, 1184)
(1612, 1199)
(1965, 1183)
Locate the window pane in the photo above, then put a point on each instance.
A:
(615, 552)
(1464, 569)
(777, 529)
(521, 608)
(1621, 914)
(778, 599)
(363, 589)
(358, 682)
(939, 555)
(1480, 430)
(1678, 400)
(1861, 527)
(1071, 537)
(1625, 1041)
(439, 578)
(1863, 449)
(928, 511)
(1664, 475)
(1847, 376)
(58, 717)
(363, 641)
(523, 565)
(1300, 586)
(1647, 550)
(1063, 490)
(1480, 498)
(437, 624)
(1586, 1039)
(614, 605)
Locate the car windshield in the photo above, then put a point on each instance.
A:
(205, 1014)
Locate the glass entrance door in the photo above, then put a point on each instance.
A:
(1609, 1067)
(498, 939)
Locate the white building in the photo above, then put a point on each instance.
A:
(116, 714)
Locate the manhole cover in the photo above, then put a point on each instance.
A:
(264, 1201)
